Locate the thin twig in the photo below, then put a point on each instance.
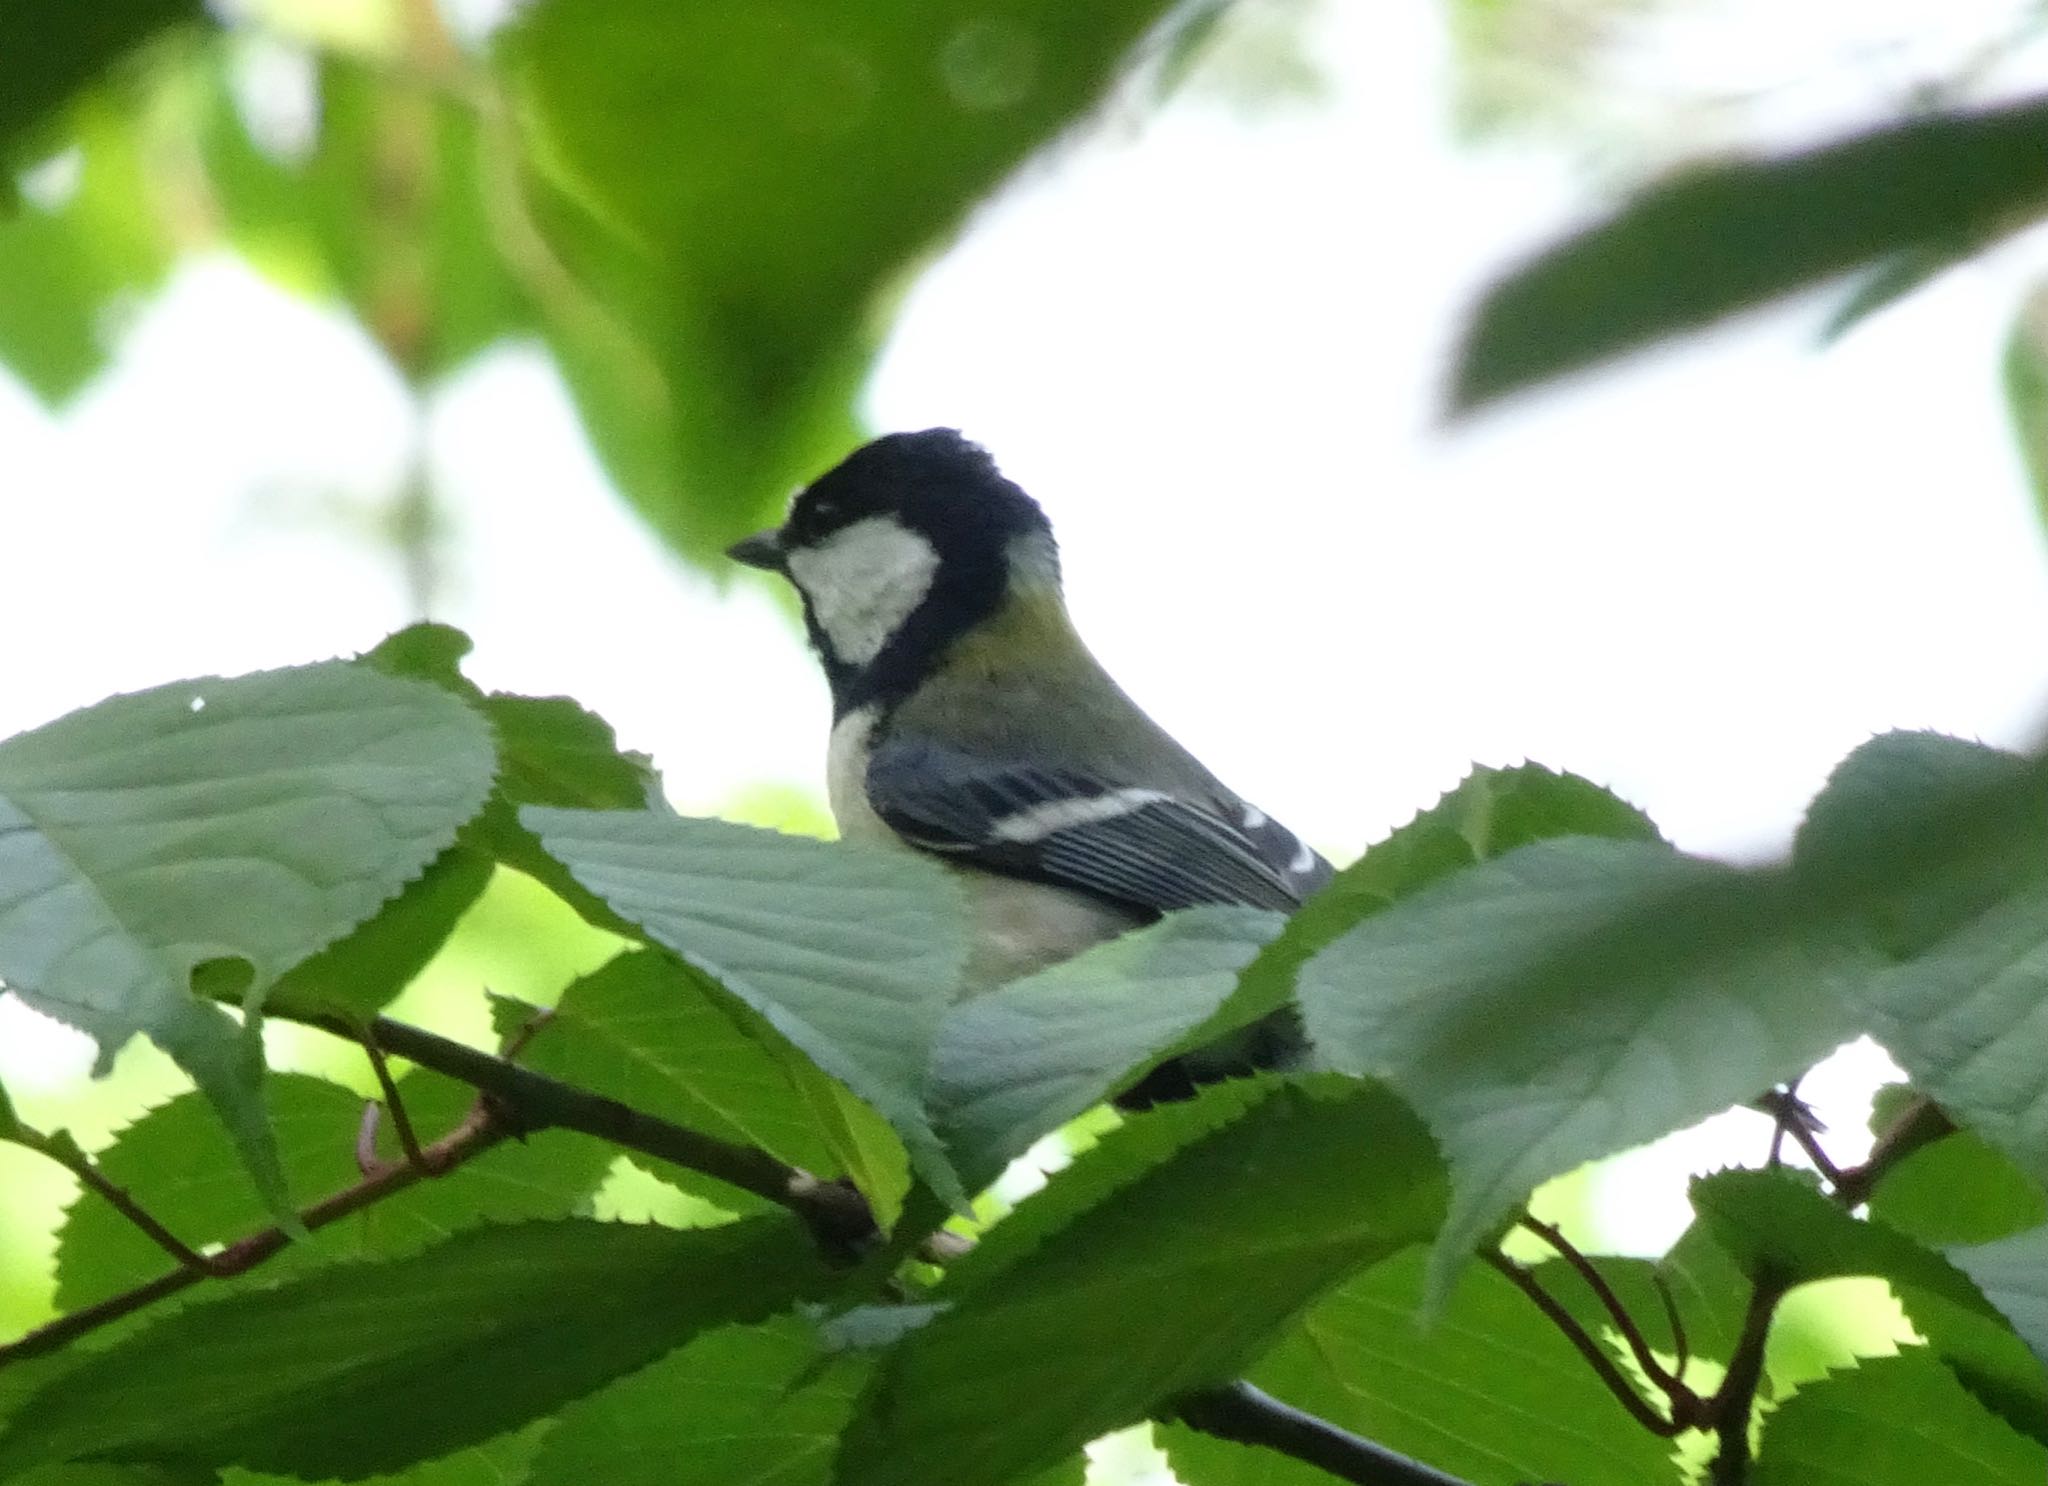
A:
(1681, 1347)
(1922, 1123)
(401, 1122)
(67, 1153)
(1596, 1355)
(1249, 1416)
(477, 1133)
(1684, 1402)
(1732, 1405)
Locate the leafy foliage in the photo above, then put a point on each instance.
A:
(1720, 238)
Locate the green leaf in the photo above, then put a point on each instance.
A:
(258, 818)
(363, 1368)
(177, 1162)
(49, 49)
(386, 211)
(1777, 1222)
(1572, 999)
(1175, 1281)
(1490, 1392)
(1490, 813)
(851, 954)
(1942, 837)
(2026, 393)
(1900, 1419)
(359, 975)
(1720, 238)
(496, 1462)
(656, 1035)
(736, 193)
(1959, 1190)
(68, 260)
(10, 1122)
(738, 1407)
(2013, 1274)
(1023, 1059)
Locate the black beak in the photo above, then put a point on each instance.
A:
(762, 550)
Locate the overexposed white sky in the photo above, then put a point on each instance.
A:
(1212, 344)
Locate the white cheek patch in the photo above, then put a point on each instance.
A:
(862, 582)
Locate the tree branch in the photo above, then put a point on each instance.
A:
(477, 1133)
(1249, 1416)
(1732, 1404)
(1685, 1404)
(1596, 1356)
(1923, 1123)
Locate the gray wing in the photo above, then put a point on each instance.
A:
(1153, 849)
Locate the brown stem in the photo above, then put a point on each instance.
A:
(477, 1133)
(1922, 1123)
(401, 1122)
(1684, 1402)
(67, 1154)
(1595, 1355)
(1730, 1407)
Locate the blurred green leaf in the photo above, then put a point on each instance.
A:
(496, 1462)
(1019, 1061)
(1570, 1000)
(389, 210)
(1720, 238)
(852, 954)
(70, 255)
(1175, 1280)
(1490, 813)
(733, 193)
(49, 49)
(177, 1162)
(2026, 392)
(739, 1407)
(366, 1367)
(1902, 1420)
(255, 819)
(1527, 1408)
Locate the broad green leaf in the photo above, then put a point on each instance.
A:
(1019, 1061)
(1900, 1419)
(497, 1462)
(49, 49)
(1719, 238)
(1572, 999)
(1960, 1190)
(1490, 1391)
(652, 1033)
(360, 974)
(1942, 842)
(177, 1162)
(2026, 392)
(2013, 1274)
(1175, 1281)
(851, 954)
(738, 1407)
(735, 192)
(1777, 1222)
(112, 1475)
(364, 1368)
(258, 818)
(1490, 813)
(69, 257)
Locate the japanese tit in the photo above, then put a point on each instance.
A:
(970, 722)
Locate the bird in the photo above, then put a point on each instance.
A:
(971, 723)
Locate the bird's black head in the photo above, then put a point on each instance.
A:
(904, 546)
